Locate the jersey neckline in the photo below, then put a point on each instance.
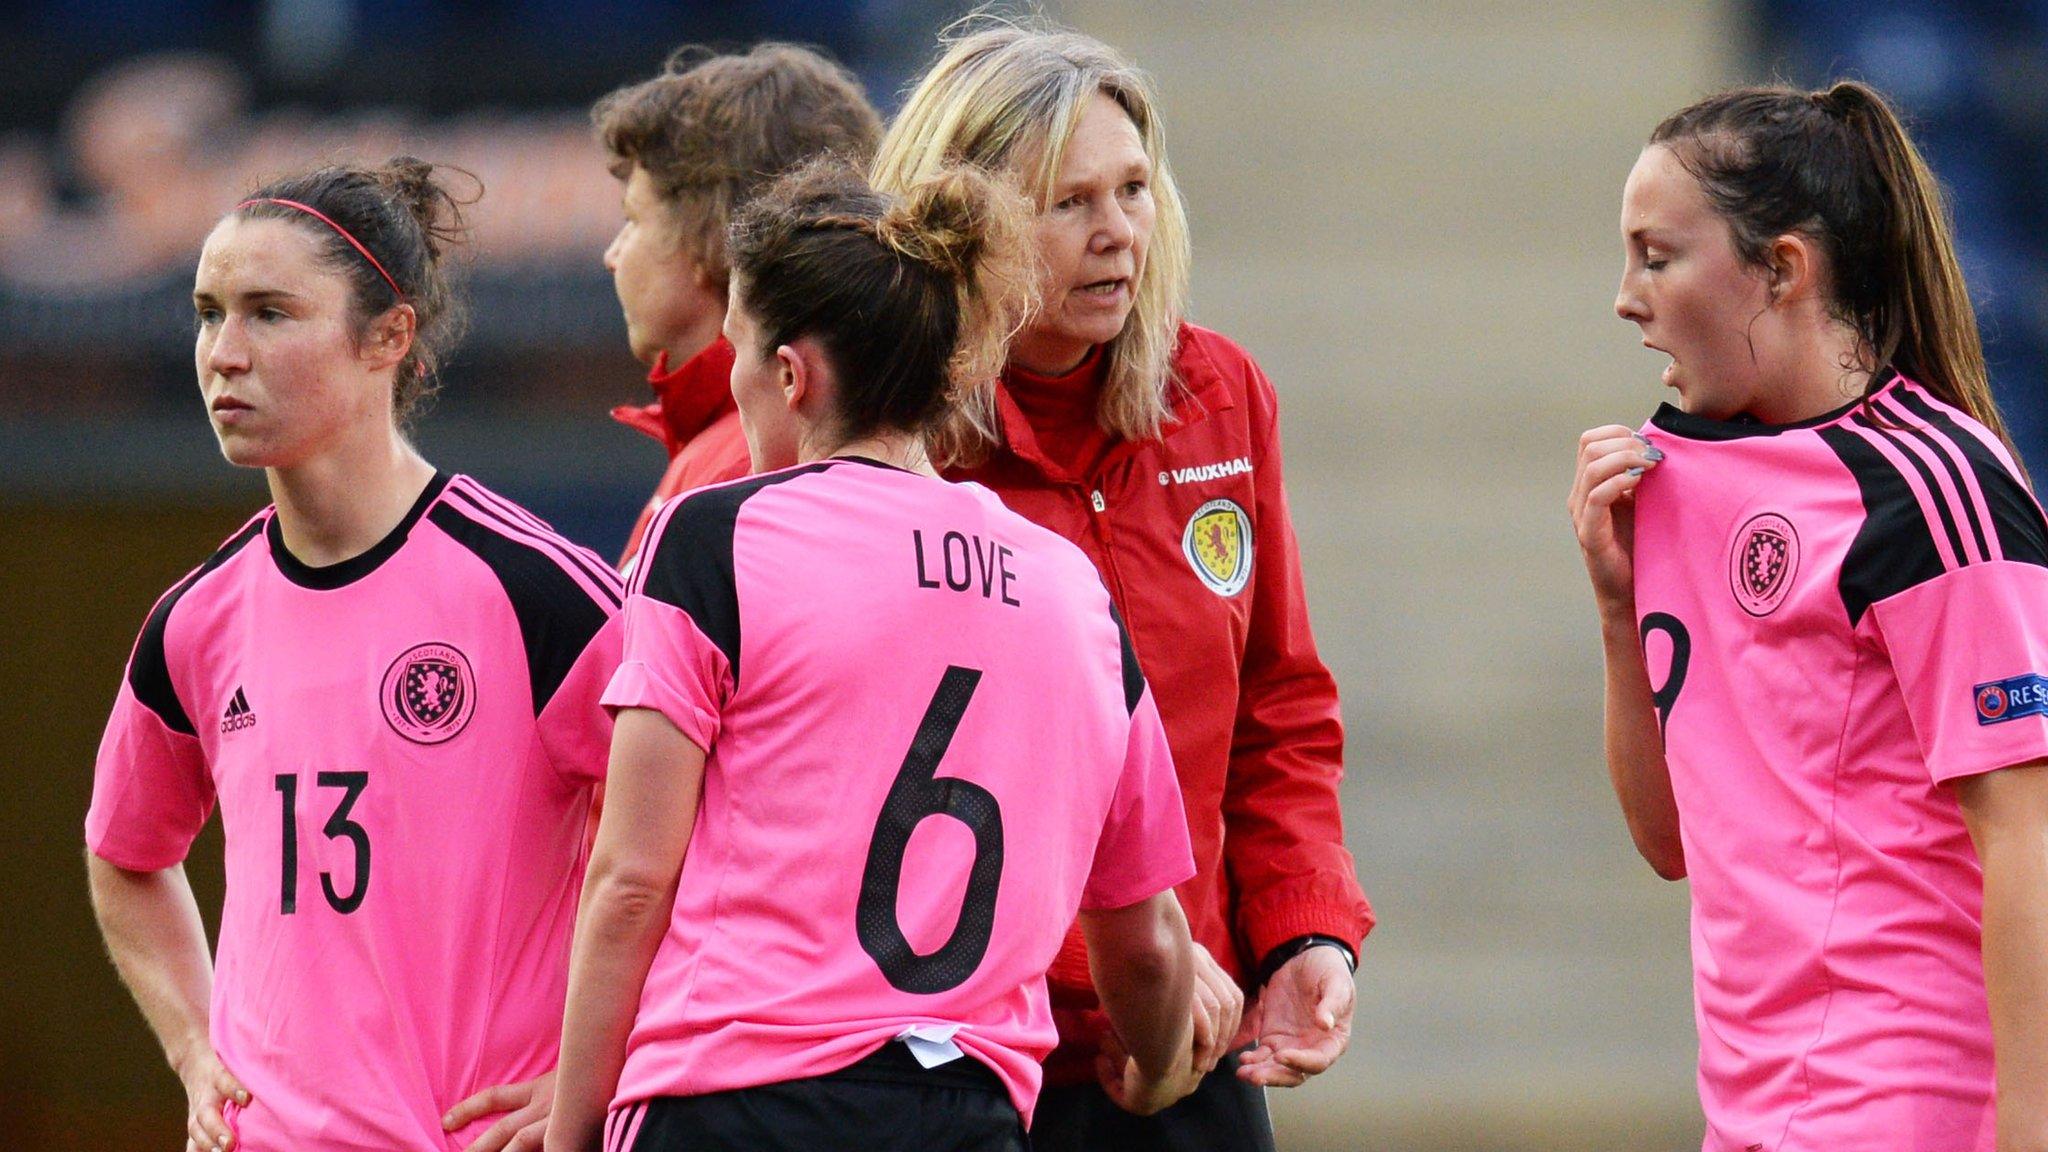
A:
(855, 458)
(328, 577)
(1682, 423)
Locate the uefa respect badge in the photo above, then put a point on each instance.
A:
(2012, 698)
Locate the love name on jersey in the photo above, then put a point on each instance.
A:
(962, 563)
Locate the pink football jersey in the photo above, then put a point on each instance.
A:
(1840, 617)
(402, 747)
(929, 747)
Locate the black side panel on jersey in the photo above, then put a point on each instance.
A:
(1134, 679)
(149, 671)
(691, 566)
(1894, 549)
(2022, 532)
(557, 617)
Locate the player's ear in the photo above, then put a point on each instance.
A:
(390, 337)
(795, 376)
(1791, 266)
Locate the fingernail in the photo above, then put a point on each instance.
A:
(1635, 471)
(1653, 453)
(1640, 436)
(448, 1121)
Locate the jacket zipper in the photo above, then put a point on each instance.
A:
(1106, 539)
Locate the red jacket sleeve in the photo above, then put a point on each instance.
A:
(1283, 828)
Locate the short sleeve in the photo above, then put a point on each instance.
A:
(151, 789)
(575, 727)
(1970, 650)
(670, 666)
(1144, 849)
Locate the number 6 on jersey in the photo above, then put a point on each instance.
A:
(916, 794)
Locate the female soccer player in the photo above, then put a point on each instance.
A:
(1823, 586)
(389, 681)
(1154, 445)
(893, 725)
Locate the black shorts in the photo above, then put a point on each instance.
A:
(885, 1102)
(1225, 1114)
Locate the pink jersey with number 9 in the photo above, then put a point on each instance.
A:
(929, 747)
(1840, 619)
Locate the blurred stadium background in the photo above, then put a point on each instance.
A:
(1406, 211)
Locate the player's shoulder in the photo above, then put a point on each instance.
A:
(541, 570)
(692, 533)
(149, 665)
(1939, 491)
(214, 570)
(719, 502)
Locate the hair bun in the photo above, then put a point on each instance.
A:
(942, 221)
(420, 188)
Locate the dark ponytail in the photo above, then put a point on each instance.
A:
(1837, 167)
(406, 218)
(914, 298)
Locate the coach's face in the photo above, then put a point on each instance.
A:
(1092, 237)
(285, 369)
(670, 305)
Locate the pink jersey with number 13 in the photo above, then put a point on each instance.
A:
(402, 747)
(929, 746)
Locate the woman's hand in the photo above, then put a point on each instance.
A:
(1301, 1021)
(208, 1086)
(1126, 1084)
(525, 1107)
(1612, 461)
(1219, 1009)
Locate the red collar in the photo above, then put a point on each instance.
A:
(1193, 398)
(1071, 395)
(686, 400)
(1089, 372)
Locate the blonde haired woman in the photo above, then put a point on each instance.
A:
(1154, 445)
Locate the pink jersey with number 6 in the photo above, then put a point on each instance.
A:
(929, 746)
(1841, 618)
(402, 747)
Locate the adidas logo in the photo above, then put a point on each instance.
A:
(239, 715)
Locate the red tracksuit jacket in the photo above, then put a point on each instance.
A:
(1192, 535)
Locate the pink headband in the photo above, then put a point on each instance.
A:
(316, 214)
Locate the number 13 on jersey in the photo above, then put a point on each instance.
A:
(338, 826)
